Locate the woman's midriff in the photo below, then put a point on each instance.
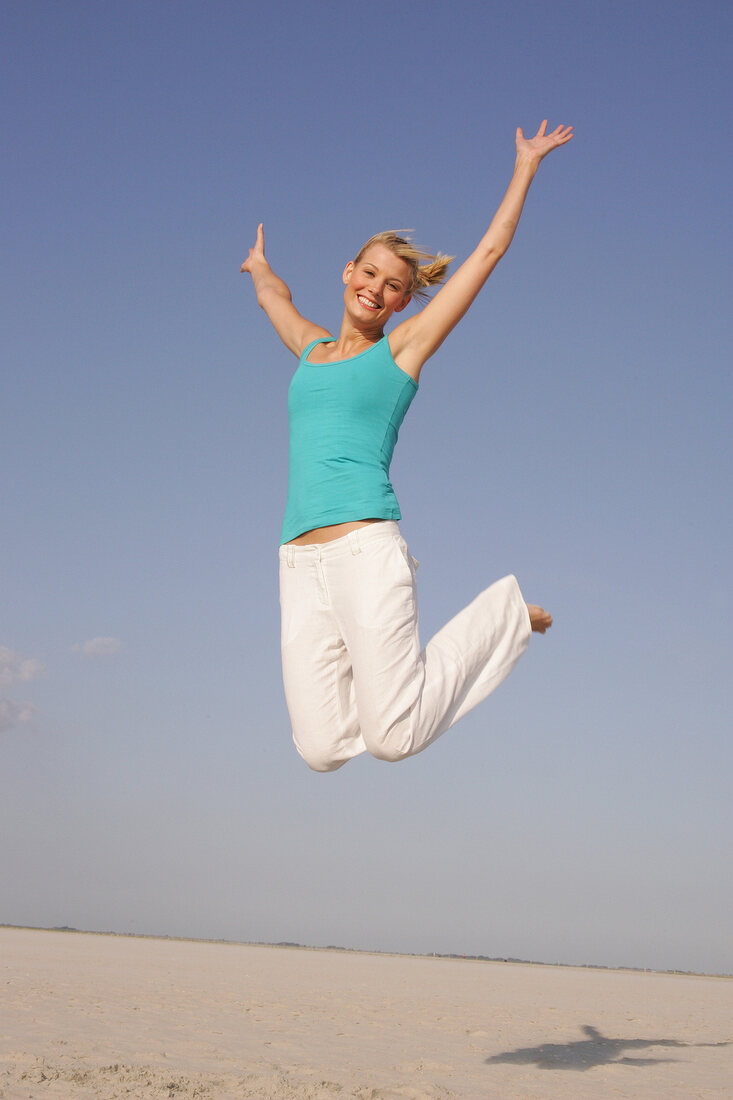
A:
(328, 534)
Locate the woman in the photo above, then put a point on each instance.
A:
(355, 677)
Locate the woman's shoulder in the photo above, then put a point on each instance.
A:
(402, 347)
(316, 334)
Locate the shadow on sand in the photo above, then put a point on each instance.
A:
(596, 1050)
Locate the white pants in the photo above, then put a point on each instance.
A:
(355, 677)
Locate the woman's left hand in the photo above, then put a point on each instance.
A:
(534, 149)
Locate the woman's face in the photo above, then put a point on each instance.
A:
(377, 286)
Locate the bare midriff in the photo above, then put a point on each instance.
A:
(328, 534)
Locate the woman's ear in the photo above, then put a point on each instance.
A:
(348, 272)
(405, 302)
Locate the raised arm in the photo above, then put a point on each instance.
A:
(275, 298)
(416, 339)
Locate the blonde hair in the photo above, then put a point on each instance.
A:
(423, 274)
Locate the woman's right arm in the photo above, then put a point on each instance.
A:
(276, 300)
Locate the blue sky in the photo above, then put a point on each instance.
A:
(574, 430)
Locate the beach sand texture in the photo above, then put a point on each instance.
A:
(84, 1015)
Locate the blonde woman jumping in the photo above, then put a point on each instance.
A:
(356, 678)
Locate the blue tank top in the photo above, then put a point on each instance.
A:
(344, 419)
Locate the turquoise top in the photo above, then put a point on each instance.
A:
(344, 419)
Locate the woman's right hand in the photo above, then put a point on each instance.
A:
(275, 298)
(256, 254)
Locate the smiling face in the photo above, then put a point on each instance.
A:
(377, 286)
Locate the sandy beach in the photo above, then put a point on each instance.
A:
(86, 1015)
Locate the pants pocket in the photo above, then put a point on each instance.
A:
(413, 563)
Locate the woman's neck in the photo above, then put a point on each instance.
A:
(352, 340)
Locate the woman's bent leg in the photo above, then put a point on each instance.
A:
(496, 627)
(405, 697)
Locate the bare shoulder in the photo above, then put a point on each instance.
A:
(295, 331)
(308, 334)
(404, 348)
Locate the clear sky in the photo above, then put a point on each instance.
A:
(574, 430)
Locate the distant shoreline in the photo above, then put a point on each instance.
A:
(438, 955)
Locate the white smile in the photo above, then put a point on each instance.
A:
(366, 302)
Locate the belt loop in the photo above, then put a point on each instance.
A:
(354, 542)
(291, 556)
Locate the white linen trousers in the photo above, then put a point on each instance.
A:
(355, 677)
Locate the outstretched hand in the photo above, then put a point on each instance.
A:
(256, 253)
(542, 143)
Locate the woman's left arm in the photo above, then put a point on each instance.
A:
(416, 339)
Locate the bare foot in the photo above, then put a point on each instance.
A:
(540, 619)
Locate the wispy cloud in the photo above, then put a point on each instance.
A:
(99, 647)
(14, 668)
(14, 714)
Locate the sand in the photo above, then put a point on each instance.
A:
(85, 1015)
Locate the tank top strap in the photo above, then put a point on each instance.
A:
(309, 347)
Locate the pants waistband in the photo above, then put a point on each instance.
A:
(351, 543)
